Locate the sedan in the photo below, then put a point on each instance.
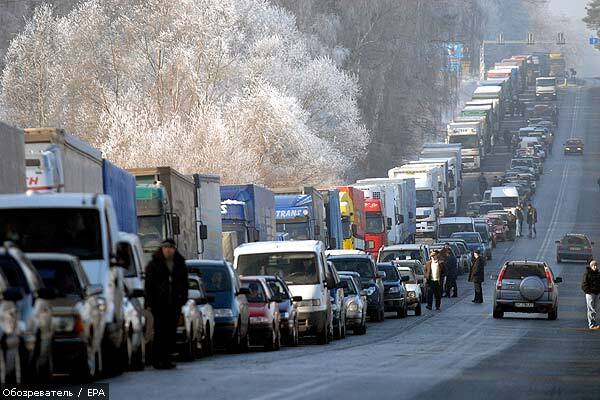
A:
(356, 303)
(264, 313)
(573, 146)
(190, 325)
(473, 239)
(574, 247)
(395, 292)
(77, 315)
(288, 310)
(498, 226)
(413, 290)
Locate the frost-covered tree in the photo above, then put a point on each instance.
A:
(224, 86)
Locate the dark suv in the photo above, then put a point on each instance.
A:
(395, 292)
(230, 304)
(370, 280)
(574, 247)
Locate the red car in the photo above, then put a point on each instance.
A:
(498, 227)
(263, 308)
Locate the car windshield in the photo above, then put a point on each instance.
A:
(445, 230)
(411, 276)
(60, 276)
(545, 82)
(407, 254)
(73, 231)
(507, 202)
(374, 223)
(468, 237)
(574, 143)
(293, 268)
(295, 230)
(360, 265)
(278, 289)
(391, 273)
(257, 292)
(13, 273)
(151, 231)
(575, 241)
(351, 290)
(424, 198)
(215, 279)
(468, 141)
(520, 271)
(486, 208)
(482, 230)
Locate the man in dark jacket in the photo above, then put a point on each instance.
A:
(483, 184)
(451, 271)
(512, 226)
(520, 218)
(590, 284)
(166, 292)
(434, 272)
(531, 220)
(476, 275)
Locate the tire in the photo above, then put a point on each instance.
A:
(323, 336)
(361, 330)
(270, 340)
(401, 313)
(208, 345)
(553, 314)
(498, 313)
(418, 310)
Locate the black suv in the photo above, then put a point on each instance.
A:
(395, 292)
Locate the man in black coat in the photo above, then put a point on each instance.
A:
(590, 285)
(166, 292)
(476, 275)
(451, 271)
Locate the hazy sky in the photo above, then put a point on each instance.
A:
(568, 7)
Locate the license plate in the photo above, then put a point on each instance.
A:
(524, 305)
(575, 248)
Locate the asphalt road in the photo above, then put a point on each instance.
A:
(460, 352)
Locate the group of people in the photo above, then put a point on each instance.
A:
(516, 221)
(441, 272)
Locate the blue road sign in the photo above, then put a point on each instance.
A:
(594, 40)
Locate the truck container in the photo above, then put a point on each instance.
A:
(12, 154)
(486, 112)
(352, 203)
(450, 192)
(453, 155)
(545, 88)
(496, 106)
(207, 204)
(381, 213)
(333, 218)
(58, 161)
(120, 185)
(300, 212)
(165, 204)
(467, 134)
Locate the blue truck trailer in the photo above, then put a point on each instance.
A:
(300, 212)
(120, 185)
(333, 218)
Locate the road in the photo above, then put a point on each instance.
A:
(460, 352)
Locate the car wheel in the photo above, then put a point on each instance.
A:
(418, 310)
(401, 313)
(498, 313)
(208, 346)
(553, 314)
(323, 336)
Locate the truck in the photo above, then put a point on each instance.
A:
(557, 66)
(247, 215)
(429, 194)
(382, 210)
(57, 161)
(452, 153)
(352, 206)
(120, 185)
(486, 112)
(545, 88)
(165, 209)
(300, 212)
(207, 205)
(12, 154)
(333, 216)
(441, 169)
(495, 104)
(468, 135)
(450, 182)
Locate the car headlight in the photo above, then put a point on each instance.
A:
(567, 148)
(370, 290)
(412, 294)
(223, 312)
(395, 289)
(352, 307)
(579, 148)
(63, 323)
(310, 303)
(259, 320)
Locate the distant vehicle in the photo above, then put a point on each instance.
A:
(288, 309)
(447, 226)
(573, 146)
(413, 290)
(417, 269)
(76, 314)
(526, 287)
(483, 229)
(337, 302)
(487, 207)
(498, 226)
(404, 252)
(461, 259)
(395, 292)
(473, 208)
(192, 324)
(9, 331)
(370, 280)
(574, 247)
(464, 251)
(230, 305)
(473, 240)
(264, 313)
(355, 299)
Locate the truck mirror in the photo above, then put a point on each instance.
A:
(175, 224)
(203, 231)
(400, 219)
(354, 230)
(389, 224)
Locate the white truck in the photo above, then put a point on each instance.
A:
(209, 227)
(429, 194)
(12, 154)
(389, 197)
(453, 153)
(57, 161)
(545, 88)
(450, 182)
(468, 135)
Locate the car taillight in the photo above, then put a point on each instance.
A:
(500, 278)
(79, 328)
(549, 280)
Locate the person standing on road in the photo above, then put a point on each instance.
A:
(512, 226)
(451, 271)
(476, 275)
(434, 274)
(519, 215)
(166, 289)
(483, 184)
(531, 220)
(598, 181)
(591, 287)
(506, 137)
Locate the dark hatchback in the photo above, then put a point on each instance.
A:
(574, 247)
(370, 280)
(287, 309)
(573, 146)
(230, 305)
(395, 292)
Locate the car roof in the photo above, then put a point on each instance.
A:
(580, 235)
(302, 246)
(53, 257)
(344, 256)
(339, 252)
(404, 247)
(205, 263)
(525, 262)
(455, 220)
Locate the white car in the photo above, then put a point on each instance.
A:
(413, 289)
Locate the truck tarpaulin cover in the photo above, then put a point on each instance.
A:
(120, 185)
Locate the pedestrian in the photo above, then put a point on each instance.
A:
(506, 136)
(476, 275)
(590, 284)
(451, 265)
(531, 220)
(483, 184)
(520, 216)
(434, 274)
(598, 181)
(512, 226)
(166, 290)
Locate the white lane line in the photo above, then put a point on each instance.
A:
(286, 392)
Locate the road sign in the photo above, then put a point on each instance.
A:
(594, 40)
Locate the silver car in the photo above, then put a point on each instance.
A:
(206, 311)
(414, 294)
(526, 287)
(355, 300)
(417, 268)
(9, 331)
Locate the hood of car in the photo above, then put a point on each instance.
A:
(412, 287)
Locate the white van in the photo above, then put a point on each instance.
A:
(448, 226)
(303, 266)
(507, 195)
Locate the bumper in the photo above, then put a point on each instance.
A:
(573, 151)
(574, 256)
(394, 304)
(311, 323)
(225, 330)
(259, 333)
(67, 353)
(353, 320)
(539, 306)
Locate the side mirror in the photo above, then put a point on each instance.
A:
(203, 232)
(194, 294)
(381, 274)
(388, 225)
(137, 293)
(45, 293)
(400, 219)
(297, 298)
(95, 290)
(175, 224)
(405, 278)
(558, 280)
(557, 241)
(342, 285)
(244, 291)
(12, 294)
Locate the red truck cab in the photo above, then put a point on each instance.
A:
(375, 232)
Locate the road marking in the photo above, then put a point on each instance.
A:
(285, 392)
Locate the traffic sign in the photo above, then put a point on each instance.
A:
(594, 40)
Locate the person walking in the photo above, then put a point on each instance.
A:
(519, 215)
(598, 181)
(507, 138)
(434, 273)
(451, 271)
(590, 285)
(512, 226)
(531, 220)
(483, 184)
(166, 288)
(476, 275)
